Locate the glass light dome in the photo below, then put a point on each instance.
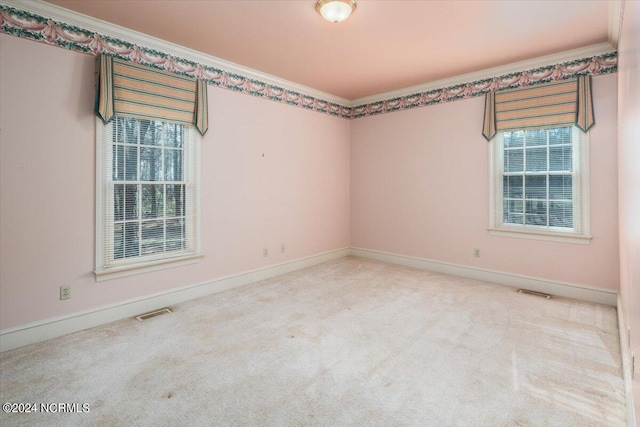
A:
(335, 10)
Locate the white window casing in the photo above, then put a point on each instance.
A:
(576, 228)
(129, 238)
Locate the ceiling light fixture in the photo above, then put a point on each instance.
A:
(335, 10)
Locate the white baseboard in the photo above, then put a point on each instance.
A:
(569, 290)
(626, 368)
(56, 327)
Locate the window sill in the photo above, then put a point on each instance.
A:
(145, 267)
(578, 239)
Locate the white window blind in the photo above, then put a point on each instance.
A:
(539, 182)
(147, 194)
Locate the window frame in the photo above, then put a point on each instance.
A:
(581, 235)
(106, 267)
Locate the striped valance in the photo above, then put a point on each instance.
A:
(554, 104)
(134, 90)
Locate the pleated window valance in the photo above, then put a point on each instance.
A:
(555, 104)
(134, 90)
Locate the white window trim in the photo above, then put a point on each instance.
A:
(146, 264)
(497, 228)
(145, 267)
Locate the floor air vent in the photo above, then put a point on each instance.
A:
(539, 294)
(151, 314)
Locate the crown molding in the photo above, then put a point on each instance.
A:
(490, 73)
(104, 28)
(43, 22)
(591, 65)
(615, 22)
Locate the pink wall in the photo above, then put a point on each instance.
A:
(297, 194)
(419, 187)
(415, 181)
(629, 179)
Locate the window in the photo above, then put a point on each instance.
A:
(539, 184)
(147, 200)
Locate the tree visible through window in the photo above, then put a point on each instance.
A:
(149, 187)
(149, 196)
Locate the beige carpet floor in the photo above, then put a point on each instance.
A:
(349, 342)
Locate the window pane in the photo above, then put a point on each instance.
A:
(152, 237)
(175, 245)
(150, 132)
(174, 135)
(131, 131)
(131, 201)
(117, 162)
(175, 229)
(536, 159)
(535, 137)
(560, 158)
(118, 202)
(147, 215)
(131, 245)
(512, 187)
(175, 200)
(560, 136)
(512, 211)
(119, 130)
(536, 212)
(152, 201)
(131, 159)
(561, 214)
(511, 218)
(173, 165)
(516, 139)
(561, 187)
(538, 178)
(150, 164)
(514, 206)
(513, 139)
(513, 160)
(535, 187)
(118, 241)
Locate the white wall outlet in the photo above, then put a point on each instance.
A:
(282, 248)
(265, 252)
(476, 253)
(65, 292)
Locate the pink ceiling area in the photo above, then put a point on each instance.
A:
(383, 46)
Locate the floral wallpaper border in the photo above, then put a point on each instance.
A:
(596, 65)
(34, 27)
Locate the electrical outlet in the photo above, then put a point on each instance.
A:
(265, 252)
(282, 248)
(65, 292)
(476, 253)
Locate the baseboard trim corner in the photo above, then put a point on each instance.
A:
(569, 290)
(55, 327)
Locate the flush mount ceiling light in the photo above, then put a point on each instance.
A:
(335, 10)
